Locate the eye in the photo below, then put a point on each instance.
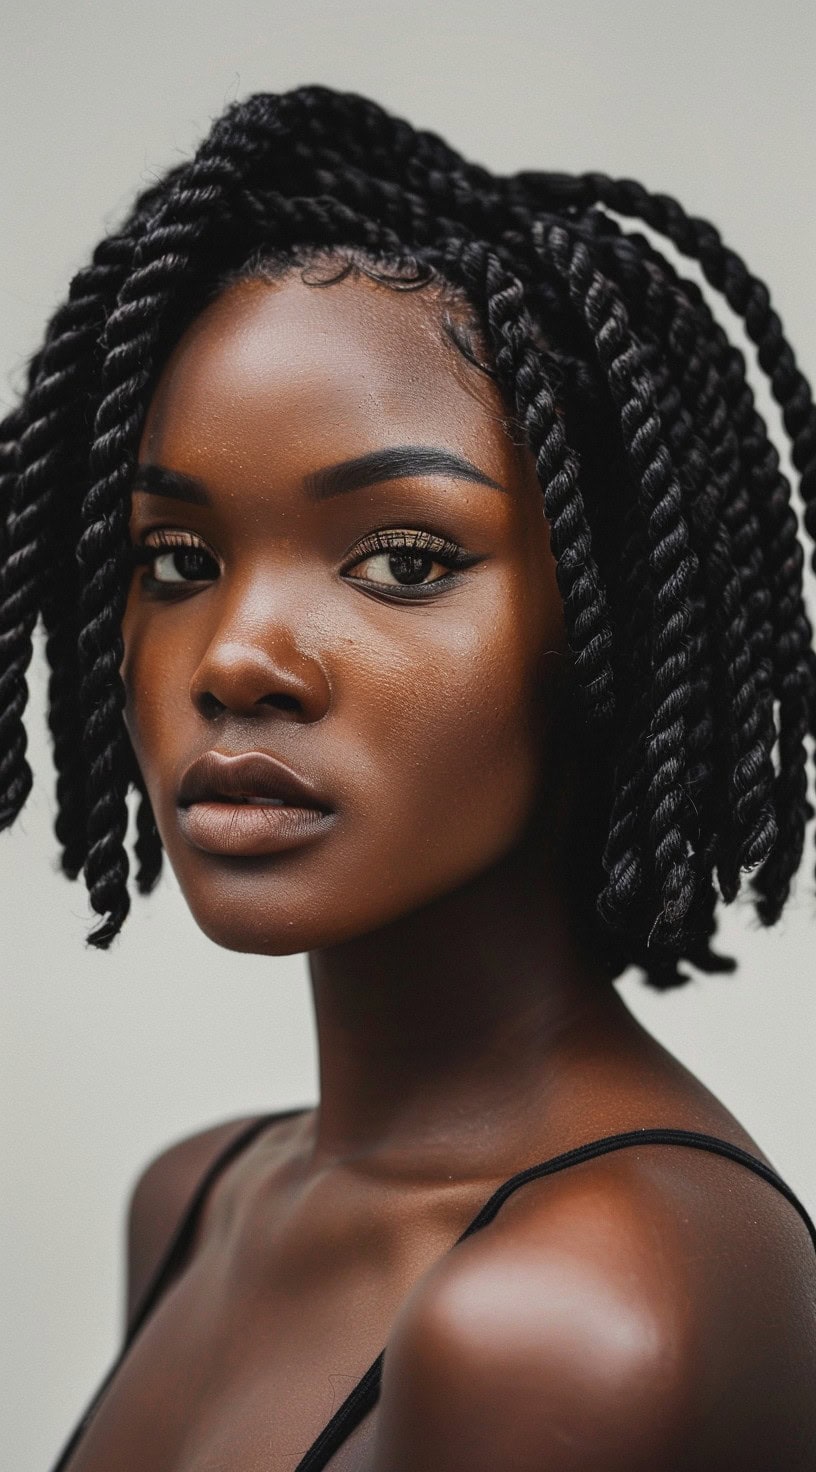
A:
(406, 562)
(184, 565)
(176, 560)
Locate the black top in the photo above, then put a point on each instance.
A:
(360, 1400)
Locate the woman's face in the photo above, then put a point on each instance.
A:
(390, 634)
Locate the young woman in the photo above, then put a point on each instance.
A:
(408, 538)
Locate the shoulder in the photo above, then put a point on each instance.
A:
(623, 1315)
(160, 1196)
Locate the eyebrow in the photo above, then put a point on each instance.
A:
(396, 462)
(156, 480)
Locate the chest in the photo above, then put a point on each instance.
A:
(251, 1350)
(243, 1388)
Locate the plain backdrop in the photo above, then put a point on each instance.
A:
(108, 1057)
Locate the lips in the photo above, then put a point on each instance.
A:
(247, 806)
(254, 777)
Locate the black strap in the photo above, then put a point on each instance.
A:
(169, 1263)
(181, 1240)
(365, 1393)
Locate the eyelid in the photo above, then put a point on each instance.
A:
(419, 539)
(173, 536)
(383, 539)
(163, 538)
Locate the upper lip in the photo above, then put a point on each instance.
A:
(215, 776)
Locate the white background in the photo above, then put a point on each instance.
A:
(107, 1057)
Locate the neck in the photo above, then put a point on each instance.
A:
(438, 1031)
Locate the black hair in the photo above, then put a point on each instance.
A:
(678, 550)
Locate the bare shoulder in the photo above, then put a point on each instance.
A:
(161, 1195)
(639, 1311)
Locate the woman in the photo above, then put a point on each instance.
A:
(408, 538)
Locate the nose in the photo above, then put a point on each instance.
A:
(255, 664)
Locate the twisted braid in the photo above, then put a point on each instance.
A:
(165, 255)
(147, 848)
(790, 648)
(747, 296)
(726, 533)
(11, 759)
(672, 566)
(11, 428)
(76, 347)
(22, 574)
(38, 574)
(521, 373)
(161, 255)
(677, 550)
(769, 558)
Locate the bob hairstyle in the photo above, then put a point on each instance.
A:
(679, 558)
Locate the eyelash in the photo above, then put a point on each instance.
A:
(146, 553)
(441, 549)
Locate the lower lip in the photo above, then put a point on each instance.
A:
(249, 829)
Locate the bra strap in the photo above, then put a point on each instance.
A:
(365, 1393)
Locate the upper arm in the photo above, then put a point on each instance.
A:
(159, 1199)
(529, 1366)
(634, 1322)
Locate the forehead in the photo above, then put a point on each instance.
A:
(285, 371)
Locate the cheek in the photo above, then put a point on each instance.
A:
(458, 736)
(434, 748)
(153, 675)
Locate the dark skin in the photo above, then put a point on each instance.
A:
(642, 1310)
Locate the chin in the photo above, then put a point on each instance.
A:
(267, 926)
(289, 904)
(265, 930)
(261, 919)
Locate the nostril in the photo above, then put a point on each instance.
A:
(210, 705)
(281, 702)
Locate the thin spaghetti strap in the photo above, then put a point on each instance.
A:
(170, 1261)
(365, 1393)
(697, 1140)
(185, 1231)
